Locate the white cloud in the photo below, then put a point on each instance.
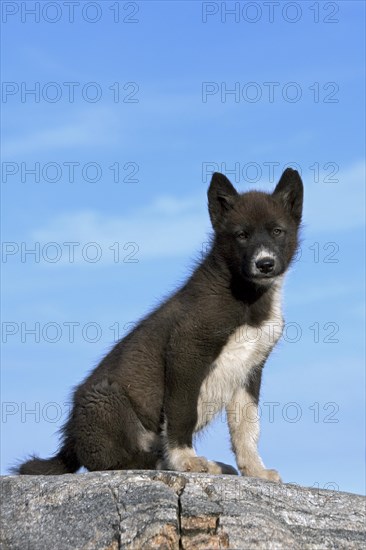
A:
(172, 227)
(166, 228)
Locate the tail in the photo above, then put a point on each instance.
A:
(65, 462)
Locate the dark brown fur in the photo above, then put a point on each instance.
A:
(156, 371)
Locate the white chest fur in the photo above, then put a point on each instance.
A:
(246, 349)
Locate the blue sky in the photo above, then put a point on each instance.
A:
(126, 122)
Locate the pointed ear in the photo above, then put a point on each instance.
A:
(290, 191)
(221, 198)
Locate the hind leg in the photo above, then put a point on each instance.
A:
(108, 434)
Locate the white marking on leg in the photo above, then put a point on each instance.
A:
(174, 457)
(243, 421)
(178, 457)
(244, 431)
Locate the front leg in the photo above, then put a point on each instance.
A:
(243, 420)
(177, 434)
(184, 376)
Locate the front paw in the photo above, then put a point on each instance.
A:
(202, 465)
(196, 464)
(271, 475)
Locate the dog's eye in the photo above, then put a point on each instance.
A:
(241, 235)
(277, 231)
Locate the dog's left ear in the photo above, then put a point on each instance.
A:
(221, 198)
(290, 192)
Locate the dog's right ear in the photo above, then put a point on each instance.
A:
(221, 197)
(290, 192)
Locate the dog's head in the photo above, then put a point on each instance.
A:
(256, 232)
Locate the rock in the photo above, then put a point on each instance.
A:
(170, 510)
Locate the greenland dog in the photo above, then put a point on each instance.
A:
(200, 351)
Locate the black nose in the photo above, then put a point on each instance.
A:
(265, 265)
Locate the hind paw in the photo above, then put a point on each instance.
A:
(226, 469)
